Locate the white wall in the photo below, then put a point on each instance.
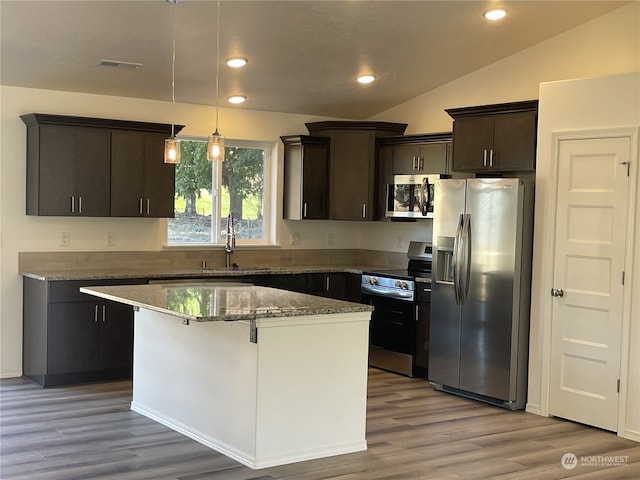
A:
(597, 103)
(606, 45)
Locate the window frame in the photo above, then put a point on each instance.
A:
(269, 188)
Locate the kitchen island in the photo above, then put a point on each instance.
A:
(264, 376)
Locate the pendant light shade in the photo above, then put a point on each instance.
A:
(172, 150)
(215, 145)
(172, 145)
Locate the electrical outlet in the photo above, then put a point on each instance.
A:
(65, 239)
(295, 238)
(398, 241)
(110, 239)
(331, 238)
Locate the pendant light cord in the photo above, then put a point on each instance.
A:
(217, 65)
(173, 68)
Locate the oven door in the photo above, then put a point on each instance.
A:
(410, 196)
(392, 333)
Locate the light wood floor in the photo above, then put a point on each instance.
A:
(413, 432)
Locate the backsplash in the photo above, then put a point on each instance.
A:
(188, 259)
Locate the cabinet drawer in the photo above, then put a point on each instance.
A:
(423, 292)
(69, 290)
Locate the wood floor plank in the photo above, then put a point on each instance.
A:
(88, 432)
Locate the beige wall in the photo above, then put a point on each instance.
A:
(22, 233)
(611, 42)
(606, 45)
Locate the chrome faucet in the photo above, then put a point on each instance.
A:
(231, 239)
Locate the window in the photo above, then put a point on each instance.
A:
(207, 192)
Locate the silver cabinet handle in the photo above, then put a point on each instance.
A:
(73, 204)
(327, 283)
(104, 313)
(304, 210)
(484, 158)
(79, 204)
(557, 292)
(140, 206)
(491, 158)
(148, 201)
(421, 166)
(364, 210)
(95, 314)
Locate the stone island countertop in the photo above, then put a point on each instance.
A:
(206, 302)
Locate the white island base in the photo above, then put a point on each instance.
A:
(299, 393)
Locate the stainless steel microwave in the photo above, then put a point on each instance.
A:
(411, 196)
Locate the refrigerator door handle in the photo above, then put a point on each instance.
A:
(457, 259)
(465, 259)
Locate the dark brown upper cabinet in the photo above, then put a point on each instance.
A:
(142, 185)
(306, 172)
(352, 155)
(68, 171)
(75, 167)
(495, 138)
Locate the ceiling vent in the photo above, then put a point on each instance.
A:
(119, 64)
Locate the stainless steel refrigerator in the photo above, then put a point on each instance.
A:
(479, 331)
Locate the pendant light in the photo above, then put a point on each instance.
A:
(215, 145)
(172, 145)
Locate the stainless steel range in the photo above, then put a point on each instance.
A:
(399, 328)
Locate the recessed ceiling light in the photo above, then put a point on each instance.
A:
(236, 62)
(365, 78)
(237, 99)
(495, 14)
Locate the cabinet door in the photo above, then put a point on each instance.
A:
(514, 136)
(433, 158)
(57, 154)
(471, 138)
(115, 335)
(353, 287)
(422, 335)
(127, 174)
(72, 337)
(315, 166)
(351, 173)
(384, 176)
(335, 286)
(93, 172)
(159, 178)
(406, 159)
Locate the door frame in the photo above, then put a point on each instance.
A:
(549, 260)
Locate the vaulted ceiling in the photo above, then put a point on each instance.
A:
(303, 55)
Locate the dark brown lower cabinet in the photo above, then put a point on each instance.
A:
(70, 337)
(423, 299)
(338, 285)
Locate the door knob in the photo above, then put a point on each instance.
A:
(557, 292)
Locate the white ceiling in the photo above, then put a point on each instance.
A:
(303, 55)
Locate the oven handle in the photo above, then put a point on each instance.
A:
(381, 292)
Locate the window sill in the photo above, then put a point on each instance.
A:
(209, 246)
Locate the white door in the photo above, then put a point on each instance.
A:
(591, 229)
